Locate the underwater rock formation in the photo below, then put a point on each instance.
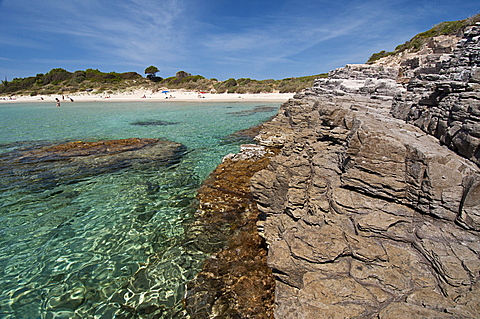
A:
(54, 164)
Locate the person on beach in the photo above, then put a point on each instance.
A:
(58, 101)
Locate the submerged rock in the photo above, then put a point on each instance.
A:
(243, 136)
(51, 165)
(153, 123)
(256, 109)
(131, 147)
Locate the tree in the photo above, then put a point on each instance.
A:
(151, 70)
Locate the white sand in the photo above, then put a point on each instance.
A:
(145, 95)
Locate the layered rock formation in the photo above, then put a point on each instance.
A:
(445, 101)
(366, 216)
(428, 59)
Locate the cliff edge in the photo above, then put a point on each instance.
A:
(372, 206)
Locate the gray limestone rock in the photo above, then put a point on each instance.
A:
(444, 101)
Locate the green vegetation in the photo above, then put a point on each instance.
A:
(247, 85)
(183, 80)
(151, 72)
(61, 81)
(416, 43)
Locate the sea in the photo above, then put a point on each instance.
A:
(78, 245)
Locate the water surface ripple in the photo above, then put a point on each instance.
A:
(78, 238)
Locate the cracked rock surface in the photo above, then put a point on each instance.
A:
(366, 216)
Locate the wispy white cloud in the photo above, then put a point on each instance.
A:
(282, 38)
(134, 30)
(21, 43)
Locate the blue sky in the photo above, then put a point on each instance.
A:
(215, 38)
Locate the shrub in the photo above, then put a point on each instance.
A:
(56, 75)
(130, 76)
(182, 74)
(416, 43)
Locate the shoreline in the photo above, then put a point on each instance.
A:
(147, 96)
(236, 277)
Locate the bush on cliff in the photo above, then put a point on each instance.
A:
(416, 43)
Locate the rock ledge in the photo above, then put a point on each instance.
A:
(367, 216)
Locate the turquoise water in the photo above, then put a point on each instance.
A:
(106, 244)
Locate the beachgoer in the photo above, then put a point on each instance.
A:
(58, 102)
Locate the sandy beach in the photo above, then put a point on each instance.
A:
(145, 95)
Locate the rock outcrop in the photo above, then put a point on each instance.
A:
(365, 215)
(446, 103)
(51, 165)
(104, 151)
(429, 59)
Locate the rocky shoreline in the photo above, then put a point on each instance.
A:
(235, 281)
(371, 208)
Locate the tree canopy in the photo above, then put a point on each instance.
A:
(151, 70)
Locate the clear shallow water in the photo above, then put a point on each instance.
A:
(104, 244)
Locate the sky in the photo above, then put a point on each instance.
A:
(261, 39)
